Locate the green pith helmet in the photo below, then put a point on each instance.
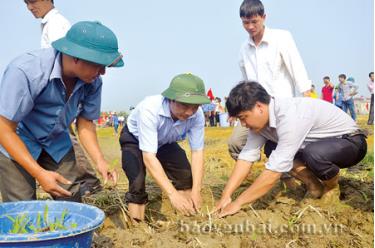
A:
(91, 41)
(187, 88)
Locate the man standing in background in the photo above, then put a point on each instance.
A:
(348, 89)
(55, 26)
(270, 57)
(370, 87)
(327, 90)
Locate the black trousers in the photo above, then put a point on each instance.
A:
(171, 156)
(371, 112)
(325, 157)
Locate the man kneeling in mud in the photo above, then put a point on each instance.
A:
(311, 139)
(149, 140)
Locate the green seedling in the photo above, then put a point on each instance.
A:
(23, 225)
(19, 223)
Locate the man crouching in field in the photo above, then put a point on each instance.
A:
(41, 93)
(149, 141)
(311, 139)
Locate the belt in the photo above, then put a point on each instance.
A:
(355, 133)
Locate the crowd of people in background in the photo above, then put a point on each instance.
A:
(216, 115)
(342, 95)
(112, 119)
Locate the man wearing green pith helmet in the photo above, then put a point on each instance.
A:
(41, 93)
(149, 141)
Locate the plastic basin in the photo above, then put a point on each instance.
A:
(87, 219)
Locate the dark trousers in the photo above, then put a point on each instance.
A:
(371, 112)
(16, 184)
(212, 120)
(171, 156)
(325, 157)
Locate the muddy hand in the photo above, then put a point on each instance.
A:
(112, 176)
(49, 181)
(230, 209)
(182, 203)
(223, 202)
(196, 198)
(103, 168)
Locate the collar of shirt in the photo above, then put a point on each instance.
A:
(266, 38)
(49, 15)
(56, 73)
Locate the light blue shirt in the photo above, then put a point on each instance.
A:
(338, 97)
(151, 123)
(347, 89)
(33, 94)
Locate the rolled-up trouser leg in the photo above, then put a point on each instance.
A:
(132, 164)
(172, 158)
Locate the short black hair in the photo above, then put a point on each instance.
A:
(250, 8)
(244, 96)
(371, 73)
(342, 76)
(326, 77)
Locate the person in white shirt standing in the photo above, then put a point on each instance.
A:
(270, 57)
(370, 86)
(54, 25)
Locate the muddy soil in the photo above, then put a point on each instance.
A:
(282, 218)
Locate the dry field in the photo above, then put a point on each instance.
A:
(283, 218)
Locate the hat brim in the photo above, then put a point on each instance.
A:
(106, 59)
(190, 99)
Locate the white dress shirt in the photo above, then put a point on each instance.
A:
(54, 26)
(275, 63)
(151, 123)
(294, 123)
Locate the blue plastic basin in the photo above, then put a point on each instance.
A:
(88, 218)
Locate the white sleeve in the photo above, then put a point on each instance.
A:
(294, 63)
(254, 144)
(241, 64)
(57, 28)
